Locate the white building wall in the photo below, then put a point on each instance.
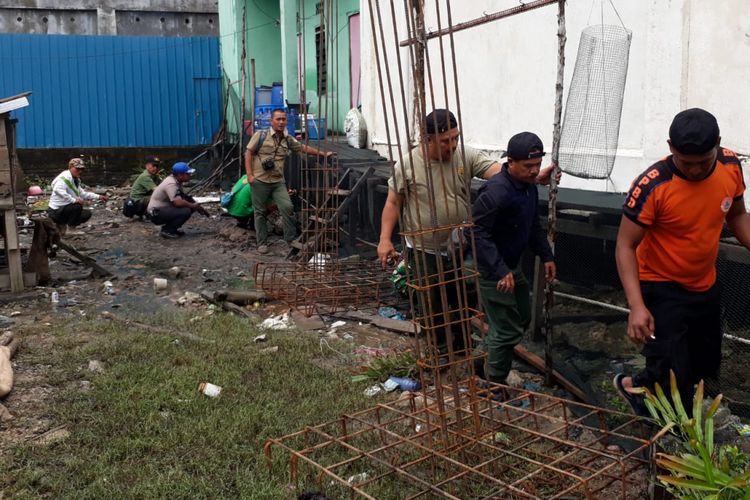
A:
(684, 53)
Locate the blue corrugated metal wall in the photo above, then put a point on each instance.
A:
(113, 91)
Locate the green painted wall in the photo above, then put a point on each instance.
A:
(272, 29)
(337, 95)
(263, 43)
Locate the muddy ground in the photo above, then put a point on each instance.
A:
(213, 255)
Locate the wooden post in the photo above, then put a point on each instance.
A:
(537, 301)
(10, 234)
(552, 208)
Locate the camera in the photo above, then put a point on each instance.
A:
(268, 164)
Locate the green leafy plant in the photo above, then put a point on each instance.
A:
(701, 472)
(380, 368)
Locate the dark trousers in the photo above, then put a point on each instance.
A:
(687, 337)
(71, 215)
(264, 194)
(141, 206)
(508, 315)
(171, 218)
(439, 304)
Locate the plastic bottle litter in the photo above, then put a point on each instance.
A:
(109, 288)
(160, 284)
(405, 384)
(55, 299)
(358, 478)
(208, 389)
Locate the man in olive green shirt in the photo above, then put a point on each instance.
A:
(432, 184)
(142, 187)
(265, 173)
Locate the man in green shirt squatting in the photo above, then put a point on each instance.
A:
(143, 186)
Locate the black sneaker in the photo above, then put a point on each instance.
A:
(168, 235)
(634, 400)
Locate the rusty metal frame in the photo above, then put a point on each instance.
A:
(530, 445)
(325, 286)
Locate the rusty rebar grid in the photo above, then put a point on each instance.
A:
(325, 286)
(529, 445)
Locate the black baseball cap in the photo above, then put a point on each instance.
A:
(525, 146)
(694, 131)
(439, 121)
(152, 159)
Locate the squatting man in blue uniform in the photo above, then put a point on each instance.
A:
(506, 222)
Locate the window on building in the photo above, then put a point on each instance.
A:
(320, 60)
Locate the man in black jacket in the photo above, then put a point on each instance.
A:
(506, 222)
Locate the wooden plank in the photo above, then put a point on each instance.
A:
(85, 259)
(538, 363)
(12, 252)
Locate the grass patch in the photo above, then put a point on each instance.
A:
(144, 431)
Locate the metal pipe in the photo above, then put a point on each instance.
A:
(479, 21)
(627, 311)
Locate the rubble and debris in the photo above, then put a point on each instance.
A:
(96, 366)
(189, 298)
(260, 338)
(174, 272)
(280, 322)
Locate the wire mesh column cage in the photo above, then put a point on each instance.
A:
(591, 127)
(314, 279)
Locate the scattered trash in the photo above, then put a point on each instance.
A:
(391, 313)
(14, 314)
(337, 324)
(532, 386)
(109, 288)
(743, 430)
(347, 336)
(241, 274)
(160, 284)
(174, 272)
(614, 448)
(319, 261)
(418, 428)
(85, 385)
(514, 379)
(358, 478)
(55, 298)
(96, 366)
(280, 322)
(373, 390)
(257, 304)
(260, 338)
(405, 383)
(208, 389)
(270, 350)
(189, 298)
(390, 385)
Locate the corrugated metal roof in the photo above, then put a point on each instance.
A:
(113, 91)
